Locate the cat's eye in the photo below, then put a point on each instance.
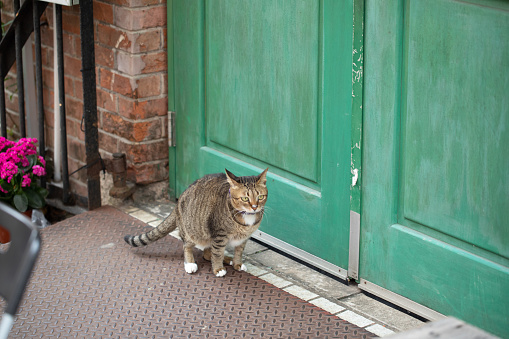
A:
(244, 199)
(261, 197)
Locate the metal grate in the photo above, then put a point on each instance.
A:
(89, 283)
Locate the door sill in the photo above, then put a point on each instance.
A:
(400, 301)
(301, 254)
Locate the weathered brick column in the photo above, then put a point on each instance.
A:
(132, 84)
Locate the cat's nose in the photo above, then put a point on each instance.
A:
(254, 207)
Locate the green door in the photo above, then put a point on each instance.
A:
(435, 214)
(268, 84)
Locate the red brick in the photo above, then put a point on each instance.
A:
(78, 89)
(68, 44)
(144, 152)
(70, 22)
(146, 41)
(11, 103)
(104, 78)
(155, 62)
(106, 100)
(47, 78)
(112, 37)
(49, 137)
(72, 66)
(148, 173)
(104, 56)
(117, 83)
(140, 18)
(137, 109)
(148, 130)
(76, 148)
(108, 143)
(79, 189)
(149, 86)
(114, 124)
(77, 46)
(103, 12)
(47, 57)
(69, 86)
(73, 108)
(49, 118)
(117, 2)
(133, 131)
(165, 38)
(48, 97)
(74, 165)
(73, 127)
(46, 36)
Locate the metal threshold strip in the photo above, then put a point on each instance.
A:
(301, 254)
(400, 301)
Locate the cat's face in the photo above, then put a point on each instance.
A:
(248, 194)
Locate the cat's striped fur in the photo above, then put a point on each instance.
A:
(213, 211)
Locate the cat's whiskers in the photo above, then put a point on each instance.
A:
(265, 209)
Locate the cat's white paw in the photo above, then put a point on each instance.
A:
(190, 267)
(242, 268)
(221, 273)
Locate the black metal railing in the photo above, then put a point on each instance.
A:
(27, 20)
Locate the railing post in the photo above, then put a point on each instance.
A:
(3, 113)
(90, 102)
(38, 80)
(19, 73)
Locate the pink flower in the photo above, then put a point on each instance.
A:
(42, 161)
(7, 170)
(26, 181)
(39, 170)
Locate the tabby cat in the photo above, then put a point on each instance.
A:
(214, 211)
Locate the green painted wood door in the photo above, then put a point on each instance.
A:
(435, 214)
(268, 84)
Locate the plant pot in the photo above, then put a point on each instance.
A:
(5, 236)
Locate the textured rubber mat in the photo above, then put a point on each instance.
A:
(89, 283)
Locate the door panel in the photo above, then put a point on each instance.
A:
(247, 65)
(455, 122)
(268, 84)
(435, 163)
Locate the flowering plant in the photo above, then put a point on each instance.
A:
(20, 166)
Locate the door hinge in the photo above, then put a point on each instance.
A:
(172, 137)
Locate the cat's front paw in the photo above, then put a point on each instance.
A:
(221, 272)
(190, 267)
(238, 267)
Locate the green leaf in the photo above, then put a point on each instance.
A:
(6, 186)
(34, 199)
(42, 192)
(32, 159)
(21, 202)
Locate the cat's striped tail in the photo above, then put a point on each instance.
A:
(167, 226)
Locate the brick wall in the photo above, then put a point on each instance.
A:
(131, 73)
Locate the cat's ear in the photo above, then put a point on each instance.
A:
(262, 178)
(232, 179)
